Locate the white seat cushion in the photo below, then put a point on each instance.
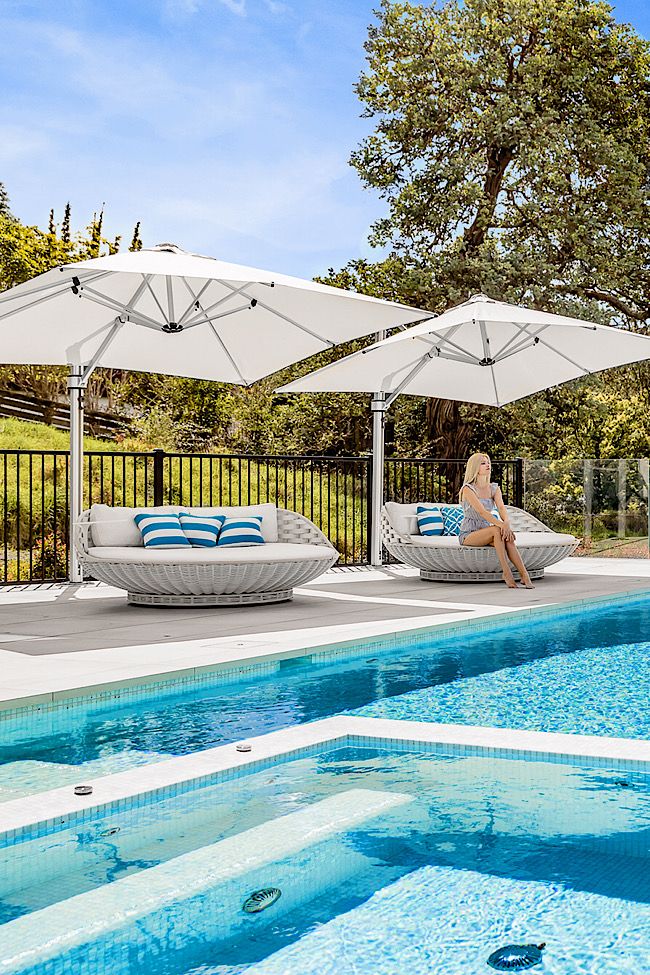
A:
(522, 539)
(272, 552)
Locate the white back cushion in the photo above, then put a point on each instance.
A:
(403, 517)
(116, 527)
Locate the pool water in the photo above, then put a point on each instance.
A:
(44, 750)
(430, 863)
(596, 691)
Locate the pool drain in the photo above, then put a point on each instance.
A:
(111, 831)
(516, 958)
(261, 899)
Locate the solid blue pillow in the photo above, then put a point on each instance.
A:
(202, 531)
(241, 531)
(161, 530)
(430, 520)
(452, 515)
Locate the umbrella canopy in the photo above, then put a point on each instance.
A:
(482, 351)
(165, 310)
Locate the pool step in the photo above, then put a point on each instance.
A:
(197, 895)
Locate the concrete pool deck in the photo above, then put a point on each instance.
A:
(56, 639)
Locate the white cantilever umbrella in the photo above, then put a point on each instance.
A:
(482, 351)
(165, 310)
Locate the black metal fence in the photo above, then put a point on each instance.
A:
(333, 492)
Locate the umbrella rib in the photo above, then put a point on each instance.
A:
(563, 355)
(487, 358)
(153, 295)
(47, 287)
(417, 368)
(445, 340)
(196, 299)
(224, 347)
(32, 304)
(221, 342)
(205, 312)
(170, 299)
(135, 297)
(291, 321)
(513, 338)
(137, 317)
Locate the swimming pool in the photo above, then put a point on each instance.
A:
(43, 749)
(387, 862)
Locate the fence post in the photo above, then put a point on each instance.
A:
(519, 483)
(588, 487)
(369, 520)
(158, 457)
(621, 492)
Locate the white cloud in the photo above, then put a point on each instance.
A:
(236, 6)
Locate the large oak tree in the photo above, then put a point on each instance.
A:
(511, 146)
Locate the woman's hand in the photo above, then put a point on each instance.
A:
(507, 533)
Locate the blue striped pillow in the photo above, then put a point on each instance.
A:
(161, 530)
(241, 531)
(202, 531)
(430, 520)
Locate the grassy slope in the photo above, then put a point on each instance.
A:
(21, 435)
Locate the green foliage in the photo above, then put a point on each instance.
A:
(511, 146)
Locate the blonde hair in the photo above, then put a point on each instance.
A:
(472, 470)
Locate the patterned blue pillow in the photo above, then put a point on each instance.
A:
(430, 520)
(161, 530)
(452, 515)
(202, 531)
(241, 531)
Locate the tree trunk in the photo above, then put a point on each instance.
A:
(447, 432)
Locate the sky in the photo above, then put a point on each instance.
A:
(224, 126)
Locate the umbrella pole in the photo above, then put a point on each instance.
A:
(76, 386)
(378, 407)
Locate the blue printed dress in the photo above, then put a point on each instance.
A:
(472, 520)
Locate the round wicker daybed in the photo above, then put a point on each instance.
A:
(442, 558)
(219, 576)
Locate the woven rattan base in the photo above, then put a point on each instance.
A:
(229, 599)
(430, 576)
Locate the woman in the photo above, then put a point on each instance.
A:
(485, 520)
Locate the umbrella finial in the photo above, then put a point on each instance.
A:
(168, 248)
(480, 297)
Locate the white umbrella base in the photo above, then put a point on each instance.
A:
(228, 599)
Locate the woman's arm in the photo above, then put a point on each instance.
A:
(468, 495)
(508, 535)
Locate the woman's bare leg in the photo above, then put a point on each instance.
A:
(517, 561)
(492, 536)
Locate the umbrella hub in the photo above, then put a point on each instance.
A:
(172, 327)
(487, 361)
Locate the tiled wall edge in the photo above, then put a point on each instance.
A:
(251, 666)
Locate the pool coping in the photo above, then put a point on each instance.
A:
(258, 655)
(144, 785)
